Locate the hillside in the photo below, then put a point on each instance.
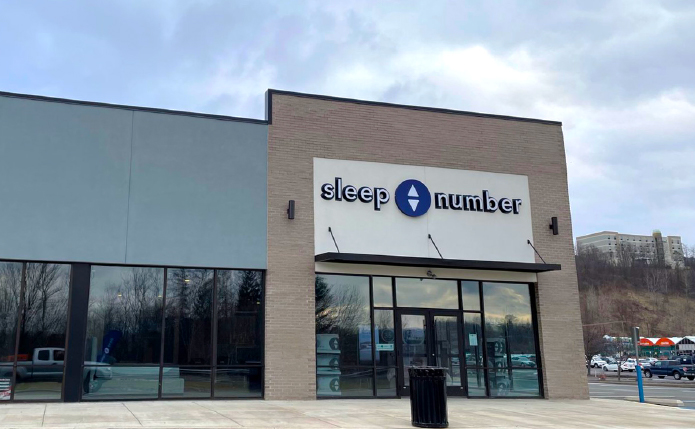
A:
(615, 296)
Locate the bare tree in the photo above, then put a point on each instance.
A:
(656, 283)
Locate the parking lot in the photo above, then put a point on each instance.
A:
(632, 376)
(605, 390)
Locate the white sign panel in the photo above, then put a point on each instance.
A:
(388, 209)
(472, 340)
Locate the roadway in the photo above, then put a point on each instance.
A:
(606, 390)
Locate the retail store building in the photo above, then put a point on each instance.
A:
(318, 253)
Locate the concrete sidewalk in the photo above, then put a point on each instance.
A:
(391, 413)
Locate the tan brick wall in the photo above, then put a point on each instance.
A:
(303, 128)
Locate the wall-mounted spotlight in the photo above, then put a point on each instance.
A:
(553, 225)
(290, 210)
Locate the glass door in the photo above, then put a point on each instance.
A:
(447, 353)
(414, 343)
(430, 338)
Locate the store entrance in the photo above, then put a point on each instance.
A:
(430, 338)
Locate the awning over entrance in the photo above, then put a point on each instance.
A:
(647, 342)
(409, 261)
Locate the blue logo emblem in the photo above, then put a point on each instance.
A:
(413, 198)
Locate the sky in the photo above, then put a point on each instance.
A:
(620, 75)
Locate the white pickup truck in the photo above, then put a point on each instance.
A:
(47, 364)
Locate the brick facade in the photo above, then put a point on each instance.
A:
(306, 127)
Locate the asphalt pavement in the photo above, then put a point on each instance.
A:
(606, 390)
(631, 377)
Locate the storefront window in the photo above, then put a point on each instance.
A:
(510, 340)
(383, 291)
(513, 382)
(493, 355)
(188, 336)
(470, 292)
(239, 383)
(343, 336)
(508, 323)
(124, 320)
(10, 288)
(239, 334)
(385, 337)
(124, 328)
(239, 319)
(41, 353)
(473, 340)
(427, 293)
(342, 316)
(126, 309)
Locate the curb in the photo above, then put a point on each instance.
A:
(657, 401)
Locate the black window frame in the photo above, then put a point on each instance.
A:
(76, 356)
(532, 288)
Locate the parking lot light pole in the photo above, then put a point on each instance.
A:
(638, 367)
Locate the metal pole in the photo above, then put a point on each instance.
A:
(638, 367)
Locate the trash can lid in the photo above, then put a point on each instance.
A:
(427, 371)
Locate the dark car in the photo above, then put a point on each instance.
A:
(673, 367)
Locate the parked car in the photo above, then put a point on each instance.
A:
(685, 359)
(46, 364)
(611, 366)
(523, 361)
(645, 363)
(597, 362)
(673, 368)
(628, 365)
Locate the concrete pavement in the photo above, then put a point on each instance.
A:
(366, 414)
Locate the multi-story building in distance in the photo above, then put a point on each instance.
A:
(651, 248)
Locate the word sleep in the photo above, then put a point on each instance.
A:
(349, 193)
(486, 203)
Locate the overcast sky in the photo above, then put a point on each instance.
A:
(620, 75)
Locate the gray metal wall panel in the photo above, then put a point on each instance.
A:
(194, 193)
(198, 192)
(63, 181)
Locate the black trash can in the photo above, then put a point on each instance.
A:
(428, 397)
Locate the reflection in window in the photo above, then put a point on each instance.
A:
(188, 337)
(470, 292)
(446, 346)
(427, 293)
(342, 318)
(509, 325)
(514, 382)
(239, 321)
(385, 337)
(473, 339)
(182, 382)
(124, 319)
(10, 288)
(353, 382)
(343, 336)
(382, 291)
(476, 382)
(238, 383)
(386, 381)
(44, 321)
(120, 382)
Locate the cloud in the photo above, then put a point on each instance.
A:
(617, 73)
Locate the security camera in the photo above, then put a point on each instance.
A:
(431, 275)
